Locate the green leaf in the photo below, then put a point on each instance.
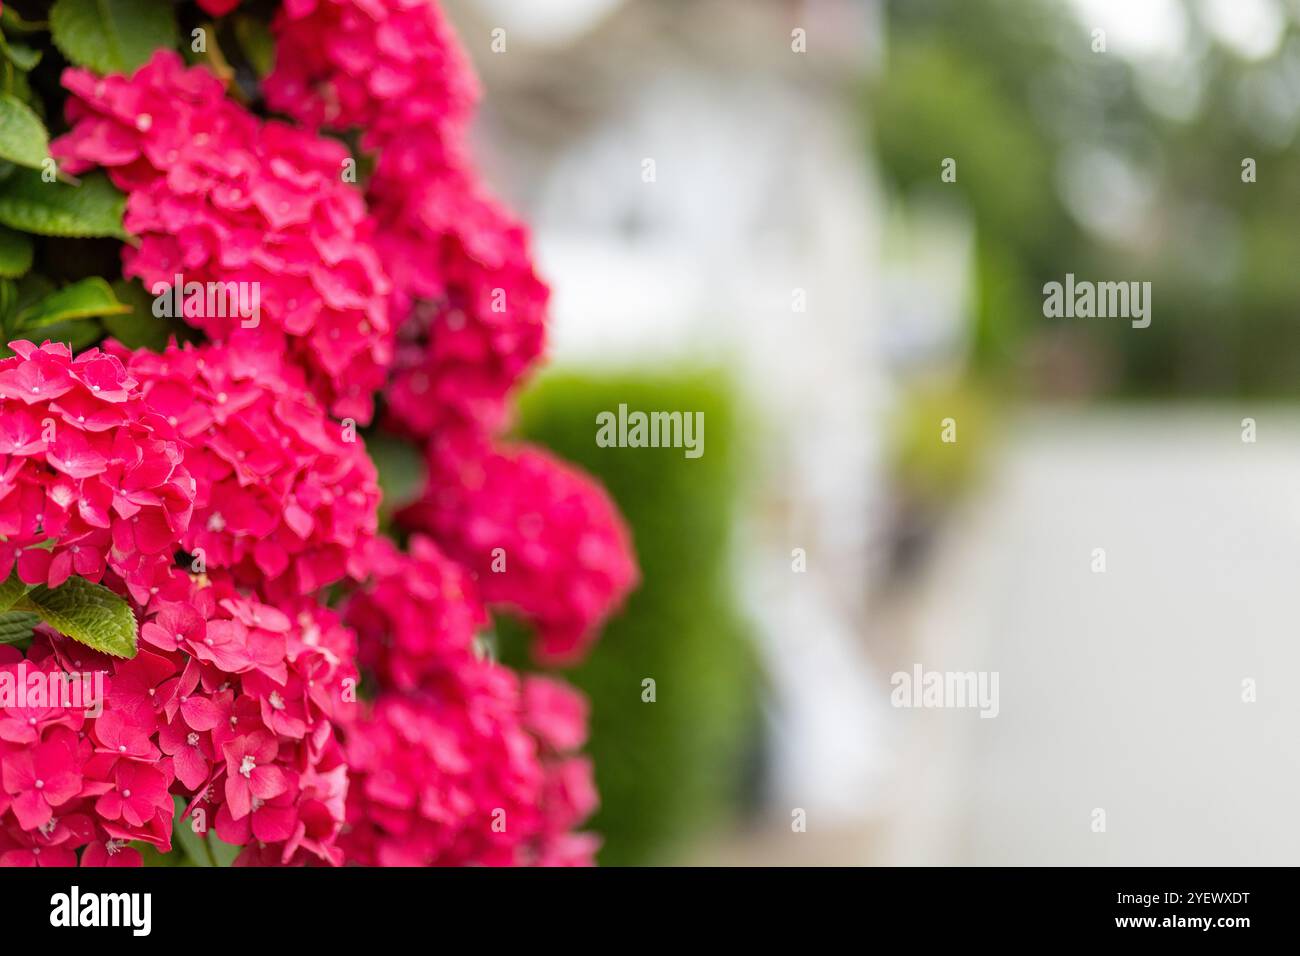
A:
(76, 335)
(11, 590)
(16, 296)
(13, 23)
(256, 41)
(93, 208)
(17, 626)
(223, 853)
(15, 253)
(22, 89)
(151, 856)
(112, 36)
(137, 327)
(8, 301)
(401, 471)
(194, 846)
(20, 55)
(23, 139)
(88, 613)
(80, 300)
(32, 288)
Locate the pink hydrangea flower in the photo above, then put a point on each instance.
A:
(474, 312)
(268, 820)
(389, 67)
(42, 776)
(251, 771)
(24, 723)
(218, 8)
(177, 723)
(569, 849)
(451, 776)
(447, 777)
(108, 852)
(54, 844)
(555, 712)
(467, 763)
(471, 305)
(418, 611)
(286, 499)
(567, 554)
(569, 793)
(217, 196)
(138, 793)
(90, 476)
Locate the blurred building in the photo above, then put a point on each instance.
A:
(704, 195)
(699, 195)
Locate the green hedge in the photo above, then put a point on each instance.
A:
(667, 769)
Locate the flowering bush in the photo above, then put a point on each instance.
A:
(213, 641)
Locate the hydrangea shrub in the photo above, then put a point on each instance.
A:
(249, 276)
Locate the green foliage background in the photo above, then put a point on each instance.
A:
(1011, 89)
(666, 770)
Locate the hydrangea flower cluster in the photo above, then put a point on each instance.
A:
(90, 476)
(215, 195)
(430, 766)
(390, 69)
(222, 490)
(562, 555)
(462, 742)
(540, 539)
(470, 319)
(229, 704)
(419, 610)
(284, 501)
(469, 302)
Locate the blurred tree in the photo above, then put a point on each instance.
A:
(670, 768)
(1042, 127)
